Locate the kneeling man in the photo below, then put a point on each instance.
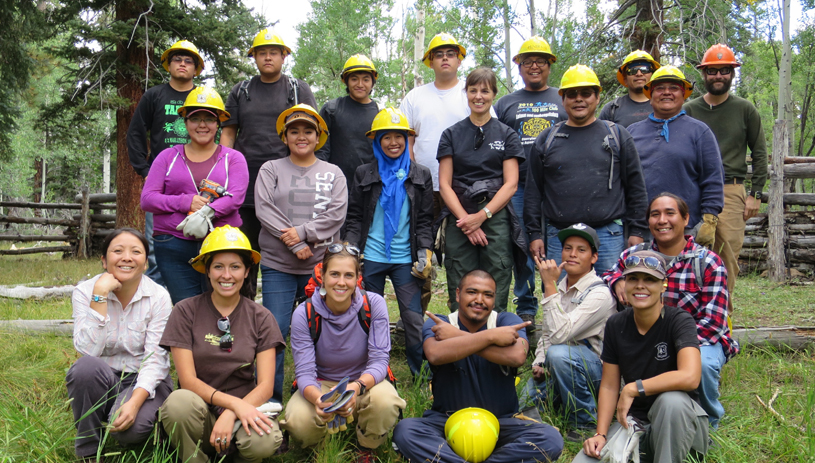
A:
(474, 354)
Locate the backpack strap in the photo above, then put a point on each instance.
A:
(611, 143)
(579, 299)
(492, 321)
(244, 88)
(550, 138)
(314, 321)
(615, 105)
(294, 91)
(364, 313)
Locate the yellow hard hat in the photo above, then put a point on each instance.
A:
(359, 63)
(472, 433)
(578, 76)
(636, 55)
(441, 40)
(187, 47)
(719, 55)
(226, 238)
(204, 97)
(268, 37)
(668, 73)
(390, 119)
(302, 112)
(537, 45)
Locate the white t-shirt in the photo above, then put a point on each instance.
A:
(430, 111)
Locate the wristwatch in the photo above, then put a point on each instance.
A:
(362, 387)
(487, 211)
(640, 388)
(756, 194)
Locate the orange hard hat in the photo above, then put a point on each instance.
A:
(719, 55)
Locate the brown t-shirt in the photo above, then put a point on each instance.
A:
(193, 325)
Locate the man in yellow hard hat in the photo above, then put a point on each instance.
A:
(156, 124)
(633, 74)
(584, 170)
(254, 106)
(475, 354)
(529, 111)
(349, 118)
(737, 126)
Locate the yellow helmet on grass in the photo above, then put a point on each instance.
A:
(302, 112)
(636, 55)
(578, 76)
(472, 433)
(537, 45)
(670, 73)
(268, 37)
(226, 238)
(390, 119)
(441, 40)
(206, 98)
(186, 47)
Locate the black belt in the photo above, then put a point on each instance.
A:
(734, 181)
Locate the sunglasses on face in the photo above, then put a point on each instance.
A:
(648, 262)
(179, 59)
(338, 247)
(722, 71)
(584, 93)
(643, 68)
(227, 339)
(528, 63)
(479, 138)
(667, 88)
(445, 54)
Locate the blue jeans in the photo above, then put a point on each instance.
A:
(713, 359)
(152, 268)
(524, 276)
(574, 379)
(408, 296)
(280, 289)
(173, 256)
(612, 244)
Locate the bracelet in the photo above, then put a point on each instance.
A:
(99, 299)
(604, 436)
(213, 395)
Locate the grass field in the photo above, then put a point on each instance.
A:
(36, 423)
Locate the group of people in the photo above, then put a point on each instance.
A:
(632, 209)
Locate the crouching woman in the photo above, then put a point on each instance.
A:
(224, 348)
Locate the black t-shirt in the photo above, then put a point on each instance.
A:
(156, 113)
(347, 146)
(486, 162)
(627, 111)
(528, 114)
(256, 119)
(645, 356)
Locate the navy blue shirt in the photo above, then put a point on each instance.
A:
(474, 381)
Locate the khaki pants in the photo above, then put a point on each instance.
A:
(188, 421)
(376, 413)
(730, 232)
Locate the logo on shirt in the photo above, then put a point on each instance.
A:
(213, 339)
(662, 351)
(497, 145)
(534, 126)
(177, 127)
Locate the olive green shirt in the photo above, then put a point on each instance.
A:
(737, 126)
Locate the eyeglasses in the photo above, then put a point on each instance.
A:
(206, 120)
(667, 88)
(643, 68)
(722, 71)
(528, 63)
(181, 59)
(227, 339)
(439, 54)
(479, 138)
(648, 262)
(338, 247)
(584, 93)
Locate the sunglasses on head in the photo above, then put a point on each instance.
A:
(648, 262)
(635, 68)
(338, 247)
(479, 138)
(227, 339)
(722, 71)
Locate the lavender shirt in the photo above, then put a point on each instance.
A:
(343, 348)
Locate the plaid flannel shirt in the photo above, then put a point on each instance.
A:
(707, 305)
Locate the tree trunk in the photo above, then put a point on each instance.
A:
(128, 182)
(648, 29)
(507, 51)
(532, 19)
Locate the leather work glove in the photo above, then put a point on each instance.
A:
(624, 446)
(425, 266)
(707, 232)
(198, 224)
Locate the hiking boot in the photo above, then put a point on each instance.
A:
(529, 318)
(366, 456)
(579, 435)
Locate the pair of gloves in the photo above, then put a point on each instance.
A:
(625, 444)
(425, 266)
(707, 230)
(339, 397)
(198, 224)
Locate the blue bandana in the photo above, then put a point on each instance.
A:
(393, 173)
(665, 122)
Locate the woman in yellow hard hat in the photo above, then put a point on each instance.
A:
(300, 202)
(122, 365)
(183, 211)
(390, 217)
(223, 347)
(478, 174)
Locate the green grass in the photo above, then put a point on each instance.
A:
(36, 421)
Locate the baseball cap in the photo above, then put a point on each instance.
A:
(582, 230)
(648, 262)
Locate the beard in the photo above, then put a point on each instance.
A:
(709, 85)
(637, 90)
(535, 86)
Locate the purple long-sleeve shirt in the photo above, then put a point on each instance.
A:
(169, 189)
(343, 348)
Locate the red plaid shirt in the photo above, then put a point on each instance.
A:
(707, 305)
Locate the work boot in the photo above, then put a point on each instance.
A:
(531, 328)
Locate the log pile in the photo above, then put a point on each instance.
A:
(799, 242)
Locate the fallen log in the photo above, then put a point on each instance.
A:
(39, 220)
(63, 327)
(795, 241)
(799, 199)
(799, 255)
(28, 292)
(97, 198)
(35, 237)
(19, 252)
(781, 338)
(33, 205)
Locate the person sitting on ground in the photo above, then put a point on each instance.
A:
(224, 347)
(474, 354)
(697, 283)
(119, 316)
(655, 351)
(390, 217)
(575, 311)
(342, 331)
